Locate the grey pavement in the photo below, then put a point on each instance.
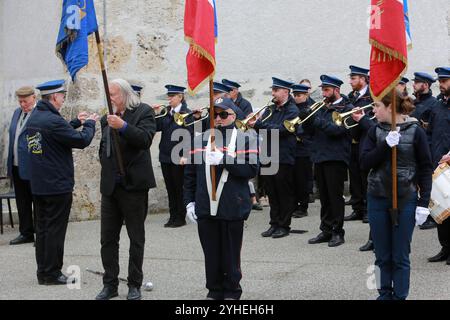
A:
(285, 269)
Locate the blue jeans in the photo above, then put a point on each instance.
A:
(392, 245)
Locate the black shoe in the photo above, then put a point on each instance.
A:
(441, 256)
(336, 240)
(428, 224)
(322, 237)
(21, 239)
(353, 216)
(367, 247)
(41, 280)
(257, 206)
(311, 199)
(365, 218)
(280, 233)
(134, 293)
(168, 224)
(107, 293)
(299, 213)
(269, 232)
(350, 202)
(448, 261)
(177, 224)
(61, 280)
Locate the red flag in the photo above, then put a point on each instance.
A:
(389, 57)
(200, 32)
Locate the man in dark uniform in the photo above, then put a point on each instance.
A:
(424, 102)
(237, 98)
(125, 197)
(221, 222)
(279, 186)
(331, 157)
(439, 132)
(402, 85)
(359, 97)
(303, 166)
(172, 168)
(18, 164)
(220, 90)
(50, 142)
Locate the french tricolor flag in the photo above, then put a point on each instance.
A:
(200, 31)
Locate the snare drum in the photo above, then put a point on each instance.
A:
(440, 194)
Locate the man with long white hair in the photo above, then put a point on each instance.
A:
(125, 197)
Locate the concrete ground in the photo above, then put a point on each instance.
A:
(287, 268)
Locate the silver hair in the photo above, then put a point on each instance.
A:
(132, 100)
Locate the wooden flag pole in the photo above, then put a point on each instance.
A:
(213, 137)
(394, 210)
(115, 135)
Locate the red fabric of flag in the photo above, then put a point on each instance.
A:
(388, 57)
(199, 32)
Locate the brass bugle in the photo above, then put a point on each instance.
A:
(341, 118)
(180, 118)
(290, 124)
(164, 112)
(243, 124)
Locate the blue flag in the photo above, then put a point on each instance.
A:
(78, 21)
(407, 27)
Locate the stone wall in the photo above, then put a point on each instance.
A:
(292, 39)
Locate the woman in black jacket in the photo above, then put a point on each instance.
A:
(414, 173)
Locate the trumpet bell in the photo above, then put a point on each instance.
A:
(290, 124)
(180, 118)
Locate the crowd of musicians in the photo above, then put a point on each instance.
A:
(215, 181)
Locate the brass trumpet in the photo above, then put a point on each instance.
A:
(180, 118)
(341, 118)
(164, 112)
(290, 124)
(243, 124)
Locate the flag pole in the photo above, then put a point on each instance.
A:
(115, 136)
(394, 210)
(213, 137)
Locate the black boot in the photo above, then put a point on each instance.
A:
(443, 255)
(367, 247)
(107, 293)
(428, 224)
(354, 216)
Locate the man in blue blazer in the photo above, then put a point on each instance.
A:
(18, 164)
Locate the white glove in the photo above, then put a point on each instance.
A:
(421, 215)
(213, 158)
(190, 212)
(393, 138)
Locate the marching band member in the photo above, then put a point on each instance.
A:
(439, 133)
(392, 242)
(280, 185)
(331, 156)
(237, 98)
(221, 222)
(173, 169)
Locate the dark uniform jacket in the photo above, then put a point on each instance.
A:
(287, 141)
(166, 125)
(50, 142)
(244, 105)
(439, 130)
(134, 144)
(304, 138)
(359, 132)
(423, 104)
(235, 203)
(330, 142)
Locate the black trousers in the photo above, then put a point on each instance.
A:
(131, 207)
(52, 216)
(221, 242)
(281, 192)
(303, 176)
(330, 177)
(444, 233)
(24, 201)
(173, 178)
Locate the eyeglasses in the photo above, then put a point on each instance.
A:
(223, 115)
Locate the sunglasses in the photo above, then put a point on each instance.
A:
(223, 115)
